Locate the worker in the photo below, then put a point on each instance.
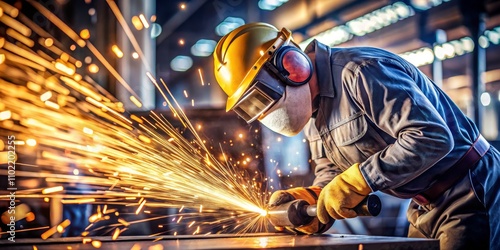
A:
(374, 122)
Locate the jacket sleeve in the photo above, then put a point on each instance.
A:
(391, 98)
(324, 169)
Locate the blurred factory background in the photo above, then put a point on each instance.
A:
(455, 42)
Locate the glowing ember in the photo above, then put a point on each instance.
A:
(52, 190)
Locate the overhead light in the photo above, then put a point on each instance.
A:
(181, 63)
(203, 47)
(484, 42)
(459, 48)
(493, 35)
(331, 37)
(449, 50)
(270, 4)
(426, 4)
(421, 4)
(439, 52)
(379, 18)
(422, 56)
(229, 24)
(363, 25)
(402, 10)
(468, 44)
(485, 99)
(452, 48)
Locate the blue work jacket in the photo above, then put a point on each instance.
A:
(377, 109)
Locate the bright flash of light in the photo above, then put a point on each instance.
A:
(263, 212)
(31, 142)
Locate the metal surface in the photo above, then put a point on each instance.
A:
(247, 241)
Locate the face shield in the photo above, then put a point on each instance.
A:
(272, 79)
(282, 108)
(264, 92)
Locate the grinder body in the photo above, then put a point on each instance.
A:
(297, 213)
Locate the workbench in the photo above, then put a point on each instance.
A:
(228, 241)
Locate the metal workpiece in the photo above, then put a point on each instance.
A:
(231, 241)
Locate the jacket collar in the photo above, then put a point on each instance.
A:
(323, 67)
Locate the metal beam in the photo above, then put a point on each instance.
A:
(474, 14)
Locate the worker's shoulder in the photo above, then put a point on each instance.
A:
(359, 56)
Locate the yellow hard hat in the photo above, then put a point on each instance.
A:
(240, 54)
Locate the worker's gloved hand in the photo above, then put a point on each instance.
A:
(342, 194)
(310, 195)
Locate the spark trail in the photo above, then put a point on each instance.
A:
(82, 136)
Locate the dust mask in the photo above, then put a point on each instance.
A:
(291, 113)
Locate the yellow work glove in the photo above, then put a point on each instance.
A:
(342, 194)
(310, 195)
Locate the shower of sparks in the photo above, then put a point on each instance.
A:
(119, 17)
(83, 137)
(201, 77)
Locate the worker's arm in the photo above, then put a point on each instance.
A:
(389, 96)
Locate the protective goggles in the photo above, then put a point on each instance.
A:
(266, 90)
